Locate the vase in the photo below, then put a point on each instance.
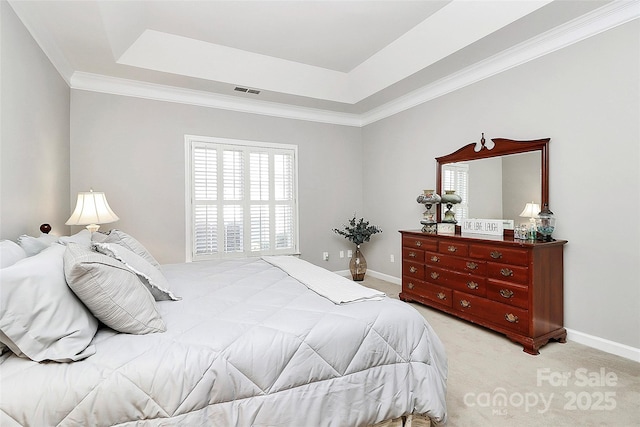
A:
(358, 265)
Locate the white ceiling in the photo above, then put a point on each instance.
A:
(350, 57)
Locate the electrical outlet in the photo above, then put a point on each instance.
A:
(341, 254)
(392, 258)
(325, 256)
(349, 253)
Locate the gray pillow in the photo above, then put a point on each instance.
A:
(40, 318)
(125, 240)
(151, 276)
(112, 292)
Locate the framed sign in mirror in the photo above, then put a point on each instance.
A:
(495, 179)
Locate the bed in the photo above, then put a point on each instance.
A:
(237, 342)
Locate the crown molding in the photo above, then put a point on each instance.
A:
(591, 24)
(602, 19)
(138, 89)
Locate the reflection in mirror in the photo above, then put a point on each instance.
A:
(494, 188)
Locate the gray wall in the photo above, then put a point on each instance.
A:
(34, 138)
(134, 150)
(586, 99)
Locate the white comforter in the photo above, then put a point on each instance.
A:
(246, 346)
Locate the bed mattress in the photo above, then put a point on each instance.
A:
(247, 345)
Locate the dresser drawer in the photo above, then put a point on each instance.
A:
(463, 282)
(453, 248)
(419, 243)
(500, 254)
(413, 269)
(466, 265)
(411, 254)
(509, 273)
(437, 294)
(506, 316)
(508, 293)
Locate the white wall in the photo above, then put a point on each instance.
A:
(586, 98)
(34, 140)
(133, 150)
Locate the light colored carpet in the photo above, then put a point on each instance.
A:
(492, 382)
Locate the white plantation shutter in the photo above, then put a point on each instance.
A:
(242, 198)
(455, 176)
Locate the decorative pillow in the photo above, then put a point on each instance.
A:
(82, 237)
(151, 276)
(112, 292)
(34, 245)
(123, 239)
(10, 253)
(40, 318)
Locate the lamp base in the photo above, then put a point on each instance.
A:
(93, 227)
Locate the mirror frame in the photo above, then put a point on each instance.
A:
(501, 147)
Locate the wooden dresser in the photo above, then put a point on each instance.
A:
(510, 286)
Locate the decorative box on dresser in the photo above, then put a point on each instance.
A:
(510, 286)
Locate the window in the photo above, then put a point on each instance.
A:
(241, 198)
(455, 176)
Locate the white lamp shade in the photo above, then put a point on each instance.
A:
(92, 208)
(530, 210)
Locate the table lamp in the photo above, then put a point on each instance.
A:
(92, 209)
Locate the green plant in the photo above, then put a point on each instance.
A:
(358, 232)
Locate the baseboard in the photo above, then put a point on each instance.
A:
(605, 345)
(372, 273)
(592, 341)
(385, 277)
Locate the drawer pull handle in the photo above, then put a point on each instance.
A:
(412, 254)
(496, 254)
(464, 303)
(472, 265)
(418, 243)
(410, 285)
(506, 293)
(511, 318)
(506, 272)
(472, 285)
(434, 275)
(441, 296)
(412, 269)
(452, 248)
(435, 259)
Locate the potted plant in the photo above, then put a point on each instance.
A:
(357, 232)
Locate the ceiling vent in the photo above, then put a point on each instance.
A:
(247, 90)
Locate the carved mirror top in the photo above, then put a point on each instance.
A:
(498, 147)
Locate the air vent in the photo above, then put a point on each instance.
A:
(247, 90)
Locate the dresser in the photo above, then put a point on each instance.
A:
(512, 287)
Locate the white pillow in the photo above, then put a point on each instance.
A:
(82, 237)
(123, 239)
(40, 318)
(10, 253)
(151, 276)
(113, 293)
(34, 245)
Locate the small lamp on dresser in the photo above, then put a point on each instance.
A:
(531, 211)
(92, 209)
(428, 198)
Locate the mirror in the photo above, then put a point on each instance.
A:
(502, 176)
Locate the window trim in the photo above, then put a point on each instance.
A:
(190, 140)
